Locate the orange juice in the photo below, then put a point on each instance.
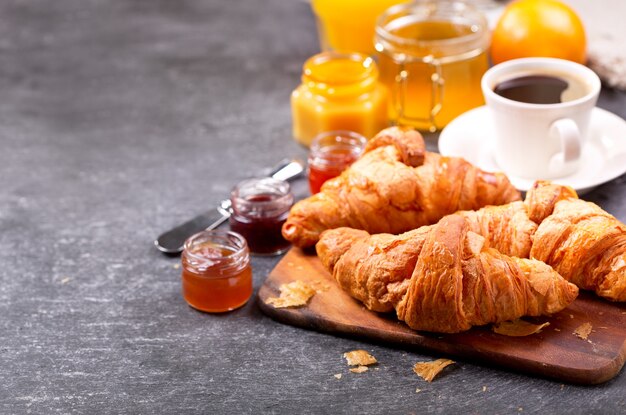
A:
(349, 24)
(339, 91)
(432, 57)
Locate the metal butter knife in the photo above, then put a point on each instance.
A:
(172, 241)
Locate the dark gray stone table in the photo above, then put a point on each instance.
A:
(119, 119)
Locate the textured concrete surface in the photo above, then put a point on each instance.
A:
(122, 118)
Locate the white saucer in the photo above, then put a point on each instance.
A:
(471, 136)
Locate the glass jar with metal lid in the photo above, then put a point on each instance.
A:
(432, 55)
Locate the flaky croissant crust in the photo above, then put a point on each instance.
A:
(441, 278)
(395, 186)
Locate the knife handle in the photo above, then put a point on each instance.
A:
(172, 241)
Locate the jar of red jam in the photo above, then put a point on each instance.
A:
(331, 153)
(216, 272)
(260, 207)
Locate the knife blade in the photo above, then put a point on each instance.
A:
(172, 241)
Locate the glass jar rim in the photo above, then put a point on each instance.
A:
(355, 139)
(281, 200)
(367, 63)
(385, 19)
(221, 238)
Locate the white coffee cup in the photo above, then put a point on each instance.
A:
(540, 141)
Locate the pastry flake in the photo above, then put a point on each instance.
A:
(359, 358)
(428, 370)
(518, 328)
(583, 331)
(359, 369)
(294, 294)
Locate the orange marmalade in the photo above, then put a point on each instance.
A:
(216, 274)
(339, 91)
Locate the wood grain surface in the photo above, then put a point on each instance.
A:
(556, 352)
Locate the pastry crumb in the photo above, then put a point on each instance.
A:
(294, 294)
(338, 376)
(359, 369)
(428, 370)
(176, 266)
(418, 390)
(359, 358)
(320, 286)
(583, 331)
(484, 389)
(518, 328)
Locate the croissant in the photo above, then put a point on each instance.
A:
(394, 187)
(582, 242)
(441, 278)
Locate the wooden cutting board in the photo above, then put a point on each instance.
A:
(555, 352)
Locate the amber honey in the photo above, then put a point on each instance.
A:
(216, 275)
(432, 56)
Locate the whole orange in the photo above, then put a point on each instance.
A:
(546, 28)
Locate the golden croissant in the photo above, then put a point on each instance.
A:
(394, 187)
(582, 242)
(441, 278)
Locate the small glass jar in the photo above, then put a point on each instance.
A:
(331, 153)
(339, 91)
(216, 273)
(432, 55)
(260, 207)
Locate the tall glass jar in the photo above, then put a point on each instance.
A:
(432, 55)
(216, 273)
(260, 207)
(339, 91)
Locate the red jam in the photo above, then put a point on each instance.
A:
(216, 274)
(331, 153)
(260, 207)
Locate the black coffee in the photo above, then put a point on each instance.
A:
(541, 89)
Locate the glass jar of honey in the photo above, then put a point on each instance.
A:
(260, 207)
(330, 154)
(432, 55)
(216, 273)
(339, 91)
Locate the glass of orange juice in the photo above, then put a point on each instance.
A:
(348, 25)
(431, 56)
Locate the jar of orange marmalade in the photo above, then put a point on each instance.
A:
(339, 91)
(432, 55)
(216, 272)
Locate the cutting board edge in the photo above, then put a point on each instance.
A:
(570, 375)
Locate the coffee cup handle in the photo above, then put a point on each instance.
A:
(569, 134)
